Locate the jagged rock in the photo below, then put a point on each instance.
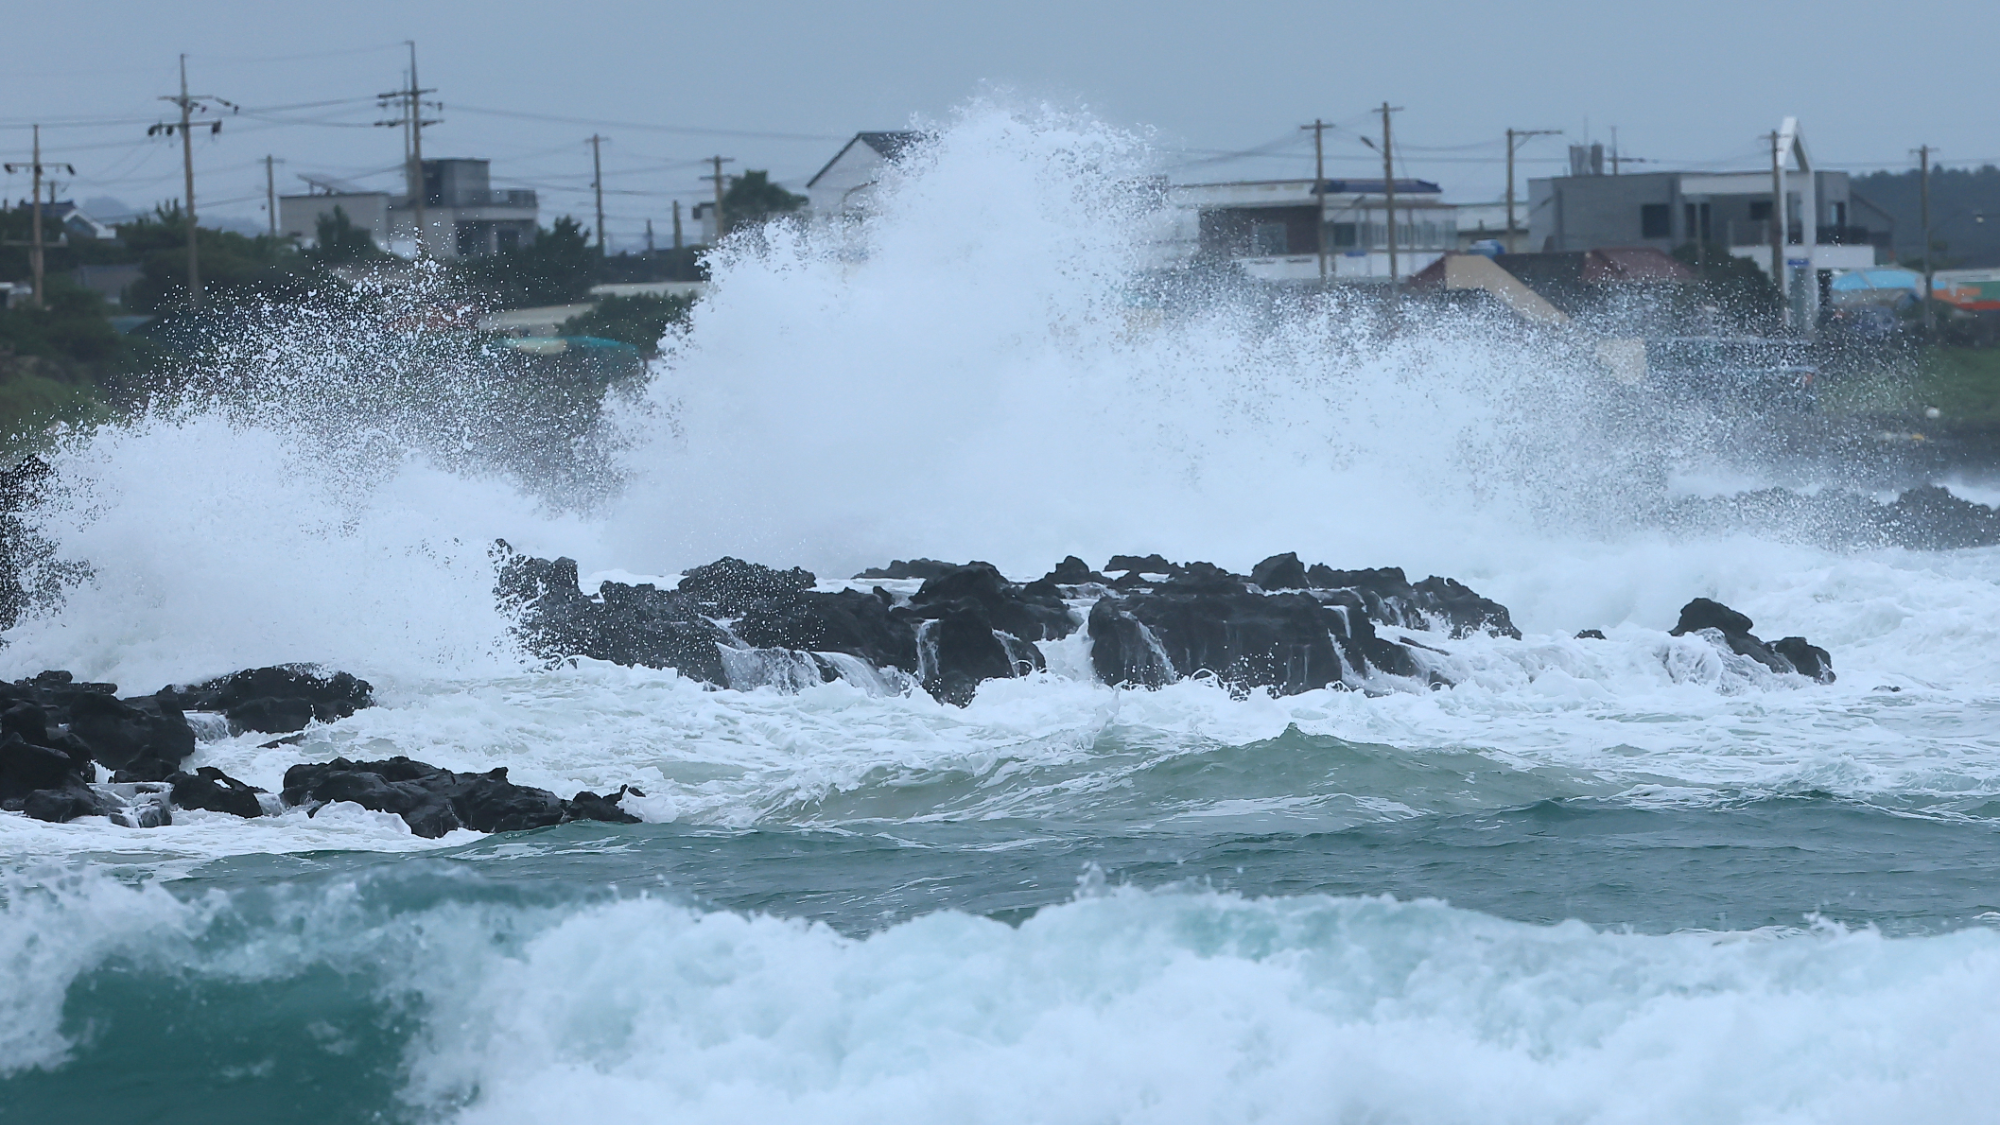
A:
(1198, 623)
(1808, 658)
(1280, 572)
(729, 587)
(1031, 613)
(1590, 634)
(919, 569)
(143, 738)
(277, 699)
(634, 625)
(1391, 599)
(434, 801)
(1072, 571)
(210, 789)
(1147, 564)
(848, 621)
(60, 804)
(592, 806)
(1733, 628)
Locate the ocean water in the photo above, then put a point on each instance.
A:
(1621, 880)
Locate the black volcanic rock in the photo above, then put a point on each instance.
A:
(1142, 564)
(847, 621)
(729, 587)
(1391, 599)
(211, 789)
(1033, 613)
(633, 625)
(434, 801)
(1793, 654)
(974, 626)
(919, 569)
(1291, 642)
(275, 700)
(1280, 572)
(1073, 571)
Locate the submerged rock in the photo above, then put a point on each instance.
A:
(1732, 629)
(210, 789)
(434, 801)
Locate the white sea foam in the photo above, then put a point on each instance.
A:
(1129, 1006)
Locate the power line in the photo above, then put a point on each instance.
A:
(684, 129)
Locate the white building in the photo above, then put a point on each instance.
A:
(843, 187)
(463, 215)
(1282, 230)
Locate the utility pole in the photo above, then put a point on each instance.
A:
(188, 103)
(1614, 150)
(649, 236)
(677, 224)
(1778, 231)
(1516, 137)
(597, 185)
(1318, 128)
(1389, 185)
(1924, 220)
(721, 227)
(35, 244)
(412, 121)
(271, 193)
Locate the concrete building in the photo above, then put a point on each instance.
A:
(1819, 215)
(463, 215)
(847, 181)
(1277, 230)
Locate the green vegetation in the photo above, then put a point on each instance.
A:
(639, 320)
(556, 268)
(1965, 214)
(753, 198)
(232, 265)
(65, 362)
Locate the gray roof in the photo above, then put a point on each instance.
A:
(889, 145)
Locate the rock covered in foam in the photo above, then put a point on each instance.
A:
(1732, 629)
(434, 801)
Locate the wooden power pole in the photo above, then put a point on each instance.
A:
(1924, 221)
(1318, 128)
(188, 103)
(1515, 137)
(271, 193)
(721, 226)
(35, 244)
(412, 121)
(597, 185)
(1389, 185)
(677, 224)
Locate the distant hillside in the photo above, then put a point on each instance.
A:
(1959, 196)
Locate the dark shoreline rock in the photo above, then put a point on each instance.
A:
(434, 801)
(1790, 654)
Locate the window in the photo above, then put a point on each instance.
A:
(510, 238)
(1760, 210)
(1342, 235)
(1267, 240)
(1655, 221)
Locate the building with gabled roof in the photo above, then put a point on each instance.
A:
(844, 185)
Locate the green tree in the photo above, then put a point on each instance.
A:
(232, 265)
(340, 242)
(638, 320)
(1733, 285)
(556, 267)
(753, 198)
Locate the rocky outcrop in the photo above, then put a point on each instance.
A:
(1731, 629)
(275, 700)
(434, 801)
(922, 570)
(623, 624)
(1928, 518)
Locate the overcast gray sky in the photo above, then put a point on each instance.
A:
(780, 85)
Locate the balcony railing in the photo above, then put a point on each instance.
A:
(1758, 233)
(510, 197)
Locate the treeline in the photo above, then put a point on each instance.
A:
(1965, 214)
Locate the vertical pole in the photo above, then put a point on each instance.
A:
(416, 147)
(649, 236)
(1924, 207)
(271, 195)
(187, 167)
(677, 224)
(1319, 192)
(1510, 191)
(35, 240)
(597, 185)
(721, 228)
(1778, 232)
(1389, 188)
